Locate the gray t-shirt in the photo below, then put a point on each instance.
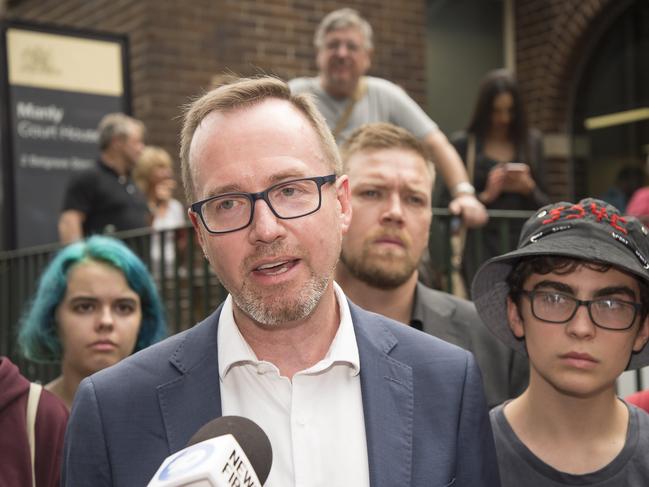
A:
(520, 467)
(383, 102)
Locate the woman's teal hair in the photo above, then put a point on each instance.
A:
(38, 334)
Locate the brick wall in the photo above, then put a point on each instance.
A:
(553, 39)
(176, 47)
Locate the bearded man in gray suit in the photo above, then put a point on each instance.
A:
(391, 181)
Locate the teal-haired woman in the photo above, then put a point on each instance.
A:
(96, 303)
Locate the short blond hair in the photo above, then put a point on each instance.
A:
(152, 157)
(343, 18)
(381, 135)
(246, 92)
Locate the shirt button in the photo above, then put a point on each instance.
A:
(262, 369)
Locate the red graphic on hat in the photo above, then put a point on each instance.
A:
(578, 211)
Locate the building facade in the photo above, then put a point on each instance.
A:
(176, 48)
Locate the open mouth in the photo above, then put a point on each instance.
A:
(276, 268)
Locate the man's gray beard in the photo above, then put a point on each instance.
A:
(368, 268)
(288, 308)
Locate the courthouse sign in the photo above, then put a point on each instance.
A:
(58, 85)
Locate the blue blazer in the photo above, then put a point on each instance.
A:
(425, 415)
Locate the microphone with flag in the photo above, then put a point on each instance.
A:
(230, 451)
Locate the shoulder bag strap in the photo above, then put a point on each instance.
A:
(359, 92)
(32, 408)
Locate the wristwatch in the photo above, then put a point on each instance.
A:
(464, 187)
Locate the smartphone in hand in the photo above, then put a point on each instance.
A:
(515, 167)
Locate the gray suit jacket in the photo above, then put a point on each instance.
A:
(425, 415)
(504, 371)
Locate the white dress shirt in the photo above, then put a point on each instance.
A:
(315, 422)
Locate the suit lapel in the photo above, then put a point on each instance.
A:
(388, 401)
(193, 398)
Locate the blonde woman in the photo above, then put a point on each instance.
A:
(154, 176)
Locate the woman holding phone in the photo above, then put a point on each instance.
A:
(504, 158)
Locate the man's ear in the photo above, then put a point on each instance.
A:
(343, 192)
(118, 141)
(514, 319)
(319, 59)
(194, 218)
(642, 336)
(370, 55)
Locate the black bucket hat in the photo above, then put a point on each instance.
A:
(591, 229)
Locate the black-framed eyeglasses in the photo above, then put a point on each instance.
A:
(230, 212)
(605, 312)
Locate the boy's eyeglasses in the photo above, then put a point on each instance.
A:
(607, 313)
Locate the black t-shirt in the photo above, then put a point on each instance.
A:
(520, 467)
(109, 201)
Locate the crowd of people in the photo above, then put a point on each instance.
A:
(312, 203)
(131, 187)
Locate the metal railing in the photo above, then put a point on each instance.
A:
(441, 245)
(187, 285)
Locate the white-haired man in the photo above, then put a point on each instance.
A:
(348, 99)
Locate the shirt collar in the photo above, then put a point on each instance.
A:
(234, 350)
(123, 179)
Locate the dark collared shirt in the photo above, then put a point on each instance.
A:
(109, 201)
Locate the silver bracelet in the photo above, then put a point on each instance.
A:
(462, 188)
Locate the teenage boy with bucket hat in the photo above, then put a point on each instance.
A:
(574, 297)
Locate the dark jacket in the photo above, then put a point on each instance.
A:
(51, 419)
(455, 320)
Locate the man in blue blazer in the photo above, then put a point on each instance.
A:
(347, 397)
